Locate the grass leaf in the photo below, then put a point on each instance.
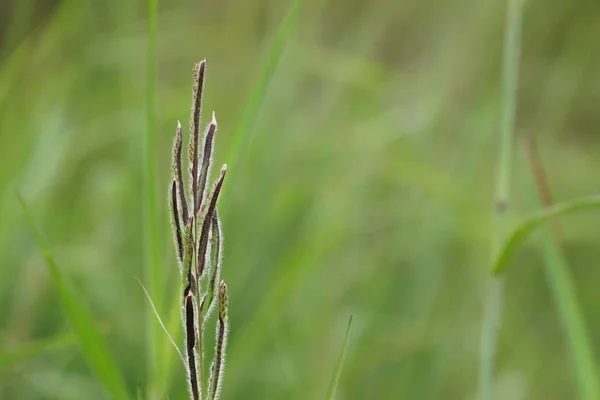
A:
(562, 284)
(241, 137)
(338, 369)
(565, 296)
(153, 269)
(95, 348)
(520, 233)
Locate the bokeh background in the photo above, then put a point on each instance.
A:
(365, 188)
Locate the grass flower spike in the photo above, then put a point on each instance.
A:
(198, 243)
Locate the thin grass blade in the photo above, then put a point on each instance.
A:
(153, 270)
(572, 319)
(161, 322)
(562, 285)
(520, 233)
(95, 348)
(241, 137)
(338, 369)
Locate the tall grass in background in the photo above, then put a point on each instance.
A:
(505, 243)
(361, 185)
(89, 337)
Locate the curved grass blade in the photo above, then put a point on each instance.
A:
(562, 285)
(338, 369)
(241, 137)
(92, 343)
(520, 233)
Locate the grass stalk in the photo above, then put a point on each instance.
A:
(151, 249)
(495, 285)
(563, 287)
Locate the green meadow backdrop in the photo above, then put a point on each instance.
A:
(362, 141)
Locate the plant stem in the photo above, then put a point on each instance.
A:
(153, 271)
(203, 381)
(495, 286)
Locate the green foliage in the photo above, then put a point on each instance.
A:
(241, 137)
(90, 339)
(362, 186)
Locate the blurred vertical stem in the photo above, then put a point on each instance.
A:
(563, 287)
(153, 275)
(495, 286)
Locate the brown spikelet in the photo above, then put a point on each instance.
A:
(178, 172)
(176, 221)
(195, 128)
(223, 301)
(203, 242)
(206, 156)
(190, 343)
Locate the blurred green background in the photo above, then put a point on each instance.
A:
(365, 188)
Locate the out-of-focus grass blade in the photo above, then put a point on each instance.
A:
(338, 368)
(573, 322)
(33, 349)
(241, 136)
(562, 285)
(153, 268)
(518, 235)
(92, 342)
